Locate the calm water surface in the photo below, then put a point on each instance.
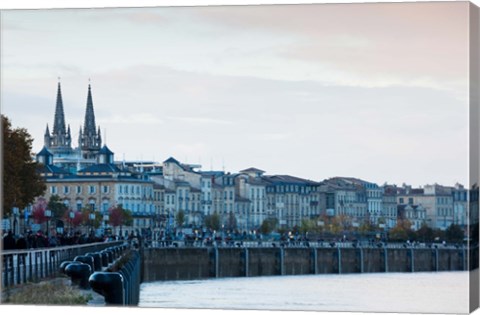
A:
(442, 292)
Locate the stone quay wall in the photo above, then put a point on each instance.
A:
(189, 263)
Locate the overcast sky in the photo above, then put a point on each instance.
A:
(374, 91)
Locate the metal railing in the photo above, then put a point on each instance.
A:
(295, 244)
(22, 266)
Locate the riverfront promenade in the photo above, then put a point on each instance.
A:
(179, 260)
(33, 265)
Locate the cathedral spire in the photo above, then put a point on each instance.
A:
(46, 138)
(89, 124)
(90, 141)
(58, 141)
(59, 120)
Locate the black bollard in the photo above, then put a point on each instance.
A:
(104, 256)
(86, 260)
(109, 255)
(97, 261)
(109, 285)
(126, 286)
(64, 265)
(79, 273)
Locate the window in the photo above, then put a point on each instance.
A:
(91, 189)
(79, 190)
(79, 205)
(400, 200)
(105, 189)
(105, 206)
(53, 189)
(92, 205)
(66, 190)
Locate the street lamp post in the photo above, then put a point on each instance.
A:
(71, 215)
(91, 216)
(48, 215)
(105, 221)
(16, 213)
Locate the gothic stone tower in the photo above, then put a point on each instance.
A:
(59, 141)
(89, 139)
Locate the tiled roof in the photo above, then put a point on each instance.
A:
(44, 152)
(287, 179)
(252, 169)
(105, 150)
(171, 160)
(51, 169)
(101, 168)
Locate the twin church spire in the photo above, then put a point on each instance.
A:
(60, 140)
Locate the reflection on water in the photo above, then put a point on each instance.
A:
(442, 292)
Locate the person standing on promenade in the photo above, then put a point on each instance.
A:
(8, 241)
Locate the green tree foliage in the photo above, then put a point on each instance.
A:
(96, 222)
(333, 225)
(213, 221)
(309, 225)
(367, 227)
(268, 225)
(231, 221)
(425, 234)
(402, 231)
(57, 207)
(454, 233)
(180, 218)
(21, 183)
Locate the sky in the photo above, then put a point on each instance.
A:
(377, 91)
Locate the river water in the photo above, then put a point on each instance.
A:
(437, 292)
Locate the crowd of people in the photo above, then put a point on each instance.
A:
(33, 240)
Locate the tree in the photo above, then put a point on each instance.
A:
(268, 225)
(57, 207)
(212, 221)
(38, 211)
(308, 225)
(333, 225)
(454, 233)
(180, 217)
(119, 216)
(402, 231)
(425, 233)
(96, 222)
(231, 221)
(21, 183)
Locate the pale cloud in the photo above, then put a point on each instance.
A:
(132, 119)
(201, 120)
(378, 92)
(369, 44)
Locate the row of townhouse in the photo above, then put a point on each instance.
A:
(442, 206)
(155, 194)
(88, 177)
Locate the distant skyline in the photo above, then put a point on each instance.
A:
(373, 91)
